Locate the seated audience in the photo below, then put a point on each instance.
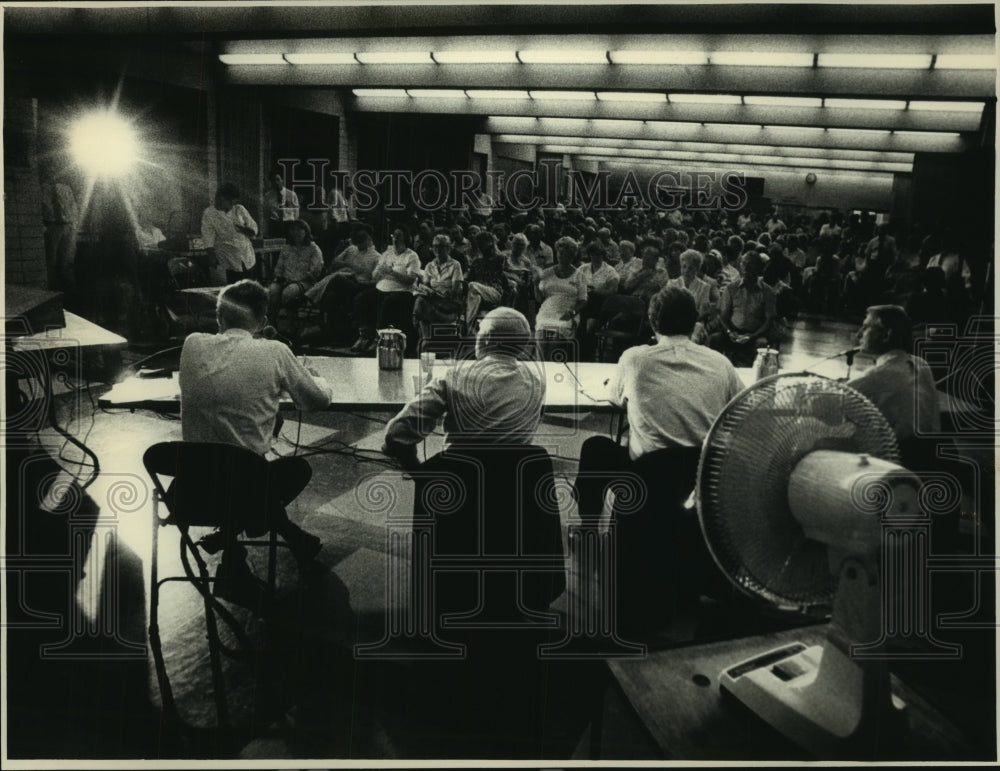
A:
(747, 311)
(602, 283)
(487, 285)
(612, 253)
(562, 292)
(538, 252)
(348, 274)
(390, 302)
(706, 296)
(299, 265)
(523, 273)
(439, 292)
(931, 305)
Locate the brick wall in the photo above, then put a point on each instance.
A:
(24, 244)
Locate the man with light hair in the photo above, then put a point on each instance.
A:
(495, 399)
(900, 385)
(231, 383)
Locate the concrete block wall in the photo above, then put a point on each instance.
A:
(24, 240)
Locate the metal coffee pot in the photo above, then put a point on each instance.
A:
(391, 346)
(767, 363)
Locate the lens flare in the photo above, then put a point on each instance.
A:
(104, 144)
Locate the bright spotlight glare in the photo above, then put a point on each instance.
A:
(103, 143)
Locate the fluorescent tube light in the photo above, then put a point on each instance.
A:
(320, 58)
(475, 57)
(395, 57)
(948, 106)
(877, 61)
(631, 96)
(867, 104)
(760, 59)
(658, 57)
(583, 96)
(436, 93)
(251, 59)
(480, 93)
(784, 101)
(382, 92)
(927, 134)
(705, 98)
(856, 131)
(562, 56)
(965, 62)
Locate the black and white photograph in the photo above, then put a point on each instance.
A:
(515, 383)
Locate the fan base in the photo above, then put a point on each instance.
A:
(842, 709)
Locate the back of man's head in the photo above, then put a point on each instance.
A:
(896, 325)
(242, 305)
(503, 330)
(672, 311)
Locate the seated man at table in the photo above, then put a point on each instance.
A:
(495, 399)
(231, 383)
(900, 385)
(672, 392)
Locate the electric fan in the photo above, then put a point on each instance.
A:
(797, 477)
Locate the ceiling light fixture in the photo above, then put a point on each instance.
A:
(436, 93)
(658, 57)
(631, 96)
(480, 93)
(562, 56)
(582, 96)
(476, 57)
(760, 59)
(784, 101)
(320, 58)
(866, 104)
(948, 106)
(876, 61)
(237, 59)
(394, 57)
(395, 93)
(966, 62)
(704, 99)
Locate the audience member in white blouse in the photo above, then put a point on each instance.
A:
(299, 265)
(562, 292)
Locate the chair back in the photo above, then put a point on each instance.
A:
(212, 485)
(655, 555)
(495, 505)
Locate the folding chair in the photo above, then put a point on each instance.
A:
(212, 485)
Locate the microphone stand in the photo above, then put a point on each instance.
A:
(849, 354)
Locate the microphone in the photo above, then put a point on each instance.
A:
(848, 353)
(271, 333)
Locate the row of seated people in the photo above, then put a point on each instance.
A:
(569, 299)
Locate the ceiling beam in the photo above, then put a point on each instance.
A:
(374, 19)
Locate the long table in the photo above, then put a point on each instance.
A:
(79, 335)
(359, 385)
